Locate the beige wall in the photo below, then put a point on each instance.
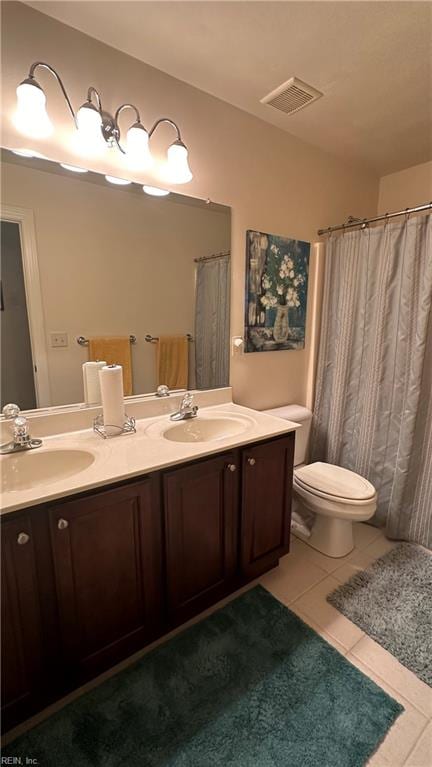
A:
(273, 181)
(405, 189)
(112, 262)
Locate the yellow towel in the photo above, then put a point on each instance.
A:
(172, 361)
(116, 351)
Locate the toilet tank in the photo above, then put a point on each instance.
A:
(301, 415)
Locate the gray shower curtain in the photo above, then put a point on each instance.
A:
(373, 409)
(212, 323)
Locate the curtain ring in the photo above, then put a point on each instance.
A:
(365, 224)
(407, 215)
(386, 220)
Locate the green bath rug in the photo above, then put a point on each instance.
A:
(250, 686)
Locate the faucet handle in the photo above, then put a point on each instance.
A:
(187, 400)
(11, 411)
(20, 429)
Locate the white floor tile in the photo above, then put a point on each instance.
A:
(381, 662)
(315, 557)
(421, 755)
(365, 534)
(404, 734)
(292, 578)
(360, 560)
(314, 603)
(319, 630)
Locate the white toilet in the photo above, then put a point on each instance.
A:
(337, 497)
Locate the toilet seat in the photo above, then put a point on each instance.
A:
(332, 491)
(334, 484)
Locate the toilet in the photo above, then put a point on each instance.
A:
(335, 496)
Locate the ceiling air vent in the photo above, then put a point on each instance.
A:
(292, 96)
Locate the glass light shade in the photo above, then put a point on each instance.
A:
(24, 152)
(89, 123)
(155, 191)
(31, 117)
(118, 181)
(137, 147)
(73, 168)
(177, 169)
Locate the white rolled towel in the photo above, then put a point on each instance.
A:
(111, 384)
(92, 392)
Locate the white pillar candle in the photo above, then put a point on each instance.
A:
(111, 384)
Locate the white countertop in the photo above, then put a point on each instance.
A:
(130, 455)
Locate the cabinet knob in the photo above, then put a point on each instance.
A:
(23, 538)
(62, 524)
(231, 467)
(251, 461)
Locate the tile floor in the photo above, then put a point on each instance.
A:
(302, 582)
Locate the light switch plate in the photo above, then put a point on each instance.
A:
(59, 339)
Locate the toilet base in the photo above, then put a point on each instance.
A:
(332, 537)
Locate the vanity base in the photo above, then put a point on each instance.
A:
(100, 576)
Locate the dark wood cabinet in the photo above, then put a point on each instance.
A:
(266, 504)
(21, 637)
(89, 580)
(201, 513)
(107, 564)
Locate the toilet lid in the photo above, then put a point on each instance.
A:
(335, 481)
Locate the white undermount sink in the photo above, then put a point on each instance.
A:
(205, 429)
(31, 468)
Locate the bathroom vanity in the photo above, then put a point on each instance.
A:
(91, 577)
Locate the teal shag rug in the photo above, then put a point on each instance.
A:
(249, 686)
(392, 602)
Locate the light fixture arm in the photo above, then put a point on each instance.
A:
(117, 133)
(51, 69)
(93, 92)
(170, 122)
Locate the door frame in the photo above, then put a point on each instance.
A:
(25, 219)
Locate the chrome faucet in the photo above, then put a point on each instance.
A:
(187, 409)
(20, 431)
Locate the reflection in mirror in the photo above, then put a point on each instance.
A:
(98, 271)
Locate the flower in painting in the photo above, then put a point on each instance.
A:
(268, 300)
(266, 283)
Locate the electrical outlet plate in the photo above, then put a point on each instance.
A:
(59, 339)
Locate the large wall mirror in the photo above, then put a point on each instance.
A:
(95, 270)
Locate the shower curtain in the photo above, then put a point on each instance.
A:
(373, 409)
(212, 329)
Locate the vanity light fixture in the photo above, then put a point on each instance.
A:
(98, 128)
(73, 168)
(25, 153)
(118, 181)
(155, 191)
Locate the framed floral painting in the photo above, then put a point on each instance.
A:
(277, 270)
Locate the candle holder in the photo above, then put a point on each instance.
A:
(100, 427)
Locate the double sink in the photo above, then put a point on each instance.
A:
(35, 468)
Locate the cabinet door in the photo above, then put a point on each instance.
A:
(201, 519)
(21, 649)
(107, 561)
(266, 504)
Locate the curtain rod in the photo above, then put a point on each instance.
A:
(215, 255)
(352, 222)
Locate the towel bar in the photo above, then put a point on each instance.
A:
(84, 341)
(153, 339)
